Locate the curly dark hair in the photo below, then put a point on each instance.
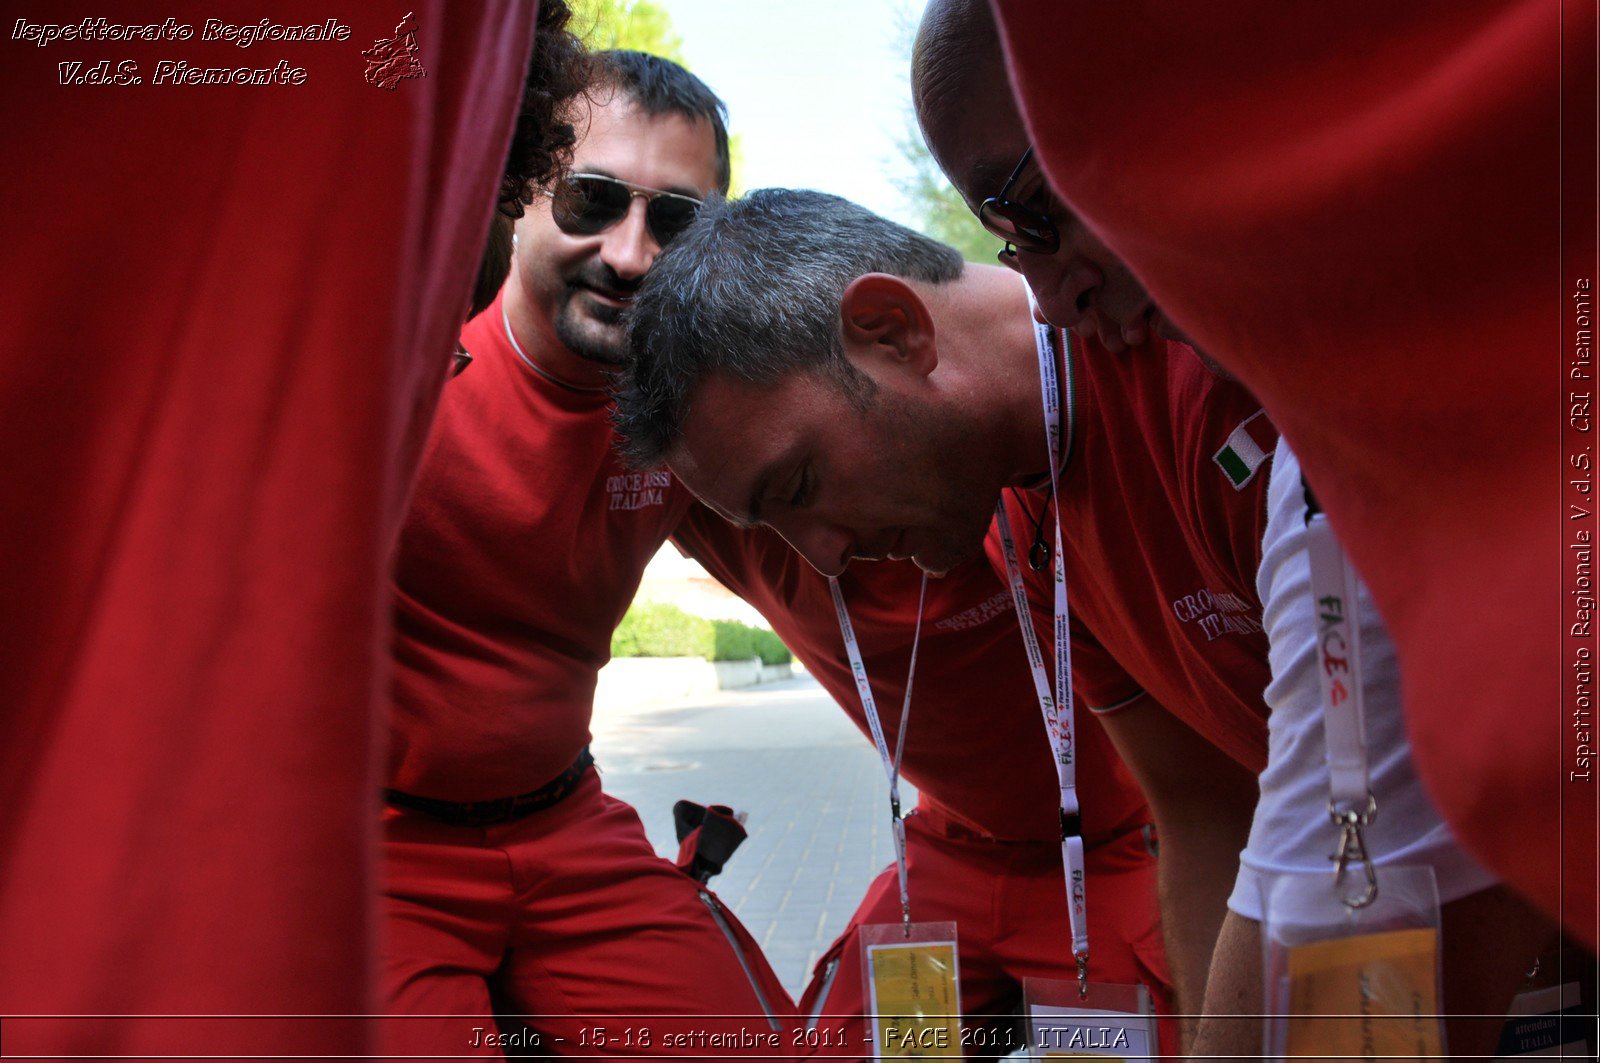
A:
(494, 267)
(558, 74)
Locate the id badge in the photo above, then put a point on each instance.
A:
(1554, 1015)
(1111, 1022)
(1353, 983)
(912, 977)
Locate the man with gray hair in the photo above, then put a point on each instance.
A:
(802, 363)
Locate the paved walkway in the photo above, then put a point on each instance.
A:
(812, 784)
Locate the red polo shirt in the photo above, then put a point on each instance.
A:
(524, 545)
(1161, 539)
(975, 742)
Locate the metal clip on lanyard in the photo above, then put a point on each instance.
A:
(1056, 708)
(891, 765)
(1351, 805)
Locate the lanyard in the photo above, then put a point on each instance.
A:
(1350, 801)
(1057, 707)
(891, 764)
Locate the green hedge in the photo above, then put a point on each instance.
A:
(740, 642)
(652, 629)
(662, 631)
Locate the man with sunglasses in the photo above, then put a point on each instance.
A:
(513, 884)
(1490, 936)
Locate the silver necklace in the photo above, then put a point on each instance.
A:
(505, 319)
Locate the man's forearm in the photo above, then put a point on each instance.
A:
(1234, 988)
(1198, 863)
(1202, 802)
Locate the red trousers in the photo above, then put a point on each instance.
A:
(1009, 905)
(568, 921)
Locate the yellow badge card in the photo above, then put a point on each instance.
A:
(1379, 989)
(917, 1013)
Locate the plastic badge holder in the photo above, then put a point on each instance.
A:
(1534, 1028)
(1113, 1022)
(912, 976)
(1352, 983)
(1554, 1015)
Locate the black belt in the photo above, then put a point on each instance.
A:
(501, 809)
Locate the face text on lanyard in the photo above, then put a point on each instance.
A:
(1055, 706)
(891, 763)
(1351, 804)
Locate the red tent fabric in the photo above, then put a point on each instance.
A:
(1359, 211)
(226, 313)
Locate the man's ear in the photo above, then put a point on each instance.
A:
(882, 317)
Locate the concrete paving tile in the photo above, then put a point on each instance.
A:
(813, 788)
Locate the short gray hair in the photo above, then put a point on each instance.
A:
(752, 290)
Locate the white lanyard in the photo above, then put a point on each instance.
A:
(1057, 709)
(1334, 599)
(891, 765)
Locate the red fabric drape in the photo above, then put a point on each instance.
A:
(1359, 212)
(227, 310)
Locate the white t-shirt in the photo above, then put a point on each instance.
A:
(1291, 831)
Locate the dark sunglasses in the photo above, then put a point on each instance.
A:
(1022, 228)
(589, 203)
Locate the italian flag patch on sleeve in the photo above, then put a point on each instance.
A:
(1248, 447)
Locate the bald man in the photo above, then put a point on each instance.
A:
(1379, 195)
(965, 105)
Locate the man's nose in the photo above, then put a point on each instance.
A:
(825, 547)
(1063, 283)
(628, 248)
